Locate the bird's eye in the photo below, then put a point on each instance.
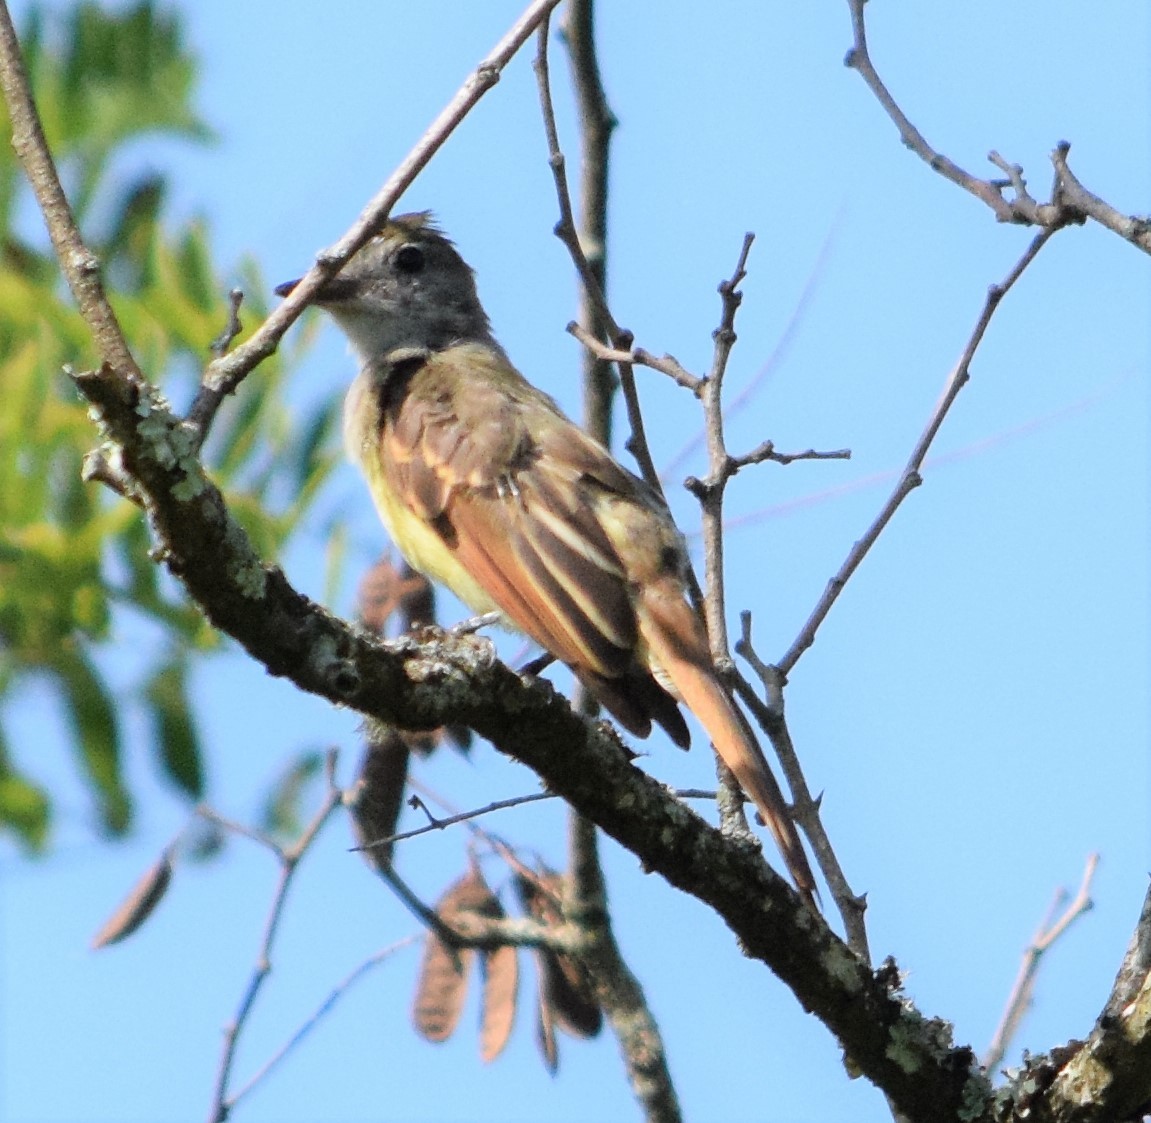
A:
(409, 259)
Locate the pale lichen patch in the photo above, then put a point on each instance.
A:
(244, 567)
(976, 1098)
(841, 965)
(903, 1048)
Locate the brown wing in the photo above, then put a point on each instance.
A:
(509, 485)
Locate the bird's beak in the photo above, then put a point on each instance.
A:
(333, 292)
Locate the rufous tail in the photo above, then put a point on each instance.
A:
(678, 645)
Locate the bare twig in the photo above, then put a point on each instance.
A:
(858, 58)
(337, 992)
(465, 816)
(769, 713)
(225, 374)
(597, 123)
(768, 451)
(910, 478)
(232, 328)
(637, 356)
(234, 826)
(568, 234)
(710, 493)
(452, 820)
(80, 266)
(1071, 202)
(733, 406)
(289, 858)
(1054, 924)
(1136, 229)
(585, 904)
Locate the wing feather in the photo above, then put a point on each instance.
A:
(519, 507)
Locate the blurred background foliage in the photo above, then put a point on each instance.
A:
(74, 565)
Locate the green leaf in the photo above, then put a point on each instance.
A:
(96, 727)
(174, 727)
(24, 807)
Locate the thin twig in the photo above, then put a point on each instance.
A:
(219, 346)
(710, 491)
(467, 816)
(234, 826)
(990, 192)
(1054, 924)
(768, 451)
(80, 266)
(337, 992)
(462, 817)
(1070, 203)
(910, 478)
(597, 123)
(568, 234)
(769, 713)
(289, 858)
(225, 374)
(733, 406)
(1136, 229)
(637, 356)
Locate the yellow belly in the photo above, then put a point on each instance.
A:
(415, 539)
(423, 547)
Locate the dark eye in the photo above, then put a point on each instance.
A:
(409, 259)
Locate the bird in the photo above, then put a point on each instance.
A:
(486, 486)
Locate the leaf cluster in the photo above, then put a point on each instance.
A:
(74, 561)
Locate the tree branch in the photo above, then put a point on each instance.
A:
(289, 859)
(435, 679)
(1053, 926)
(602, 318)
(615, 986)
(81, 267)
(1107, 1078)
(441, 678)
(224, 374)
(910, 478)
(1071, 202)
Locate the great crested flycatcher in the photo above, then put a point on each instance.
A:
(485, 485)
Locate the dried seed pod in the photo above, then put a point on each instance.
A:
(564, 988)
(377, 795)
(546, 1029)
(498, 1008)
(138, 905)
(442, 985)
(442, 988)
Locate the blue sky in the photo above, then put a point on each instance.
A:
(975, 708)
